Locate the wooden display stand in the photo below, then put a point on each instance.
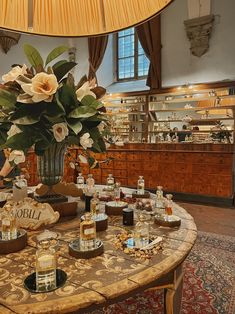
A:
(145, 195)
(15, 245)
(115, 210)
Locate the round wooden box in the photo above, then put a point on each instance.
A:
(15, 245)
(115, 208)
(75, 249)
(167, 221)
(145, 195)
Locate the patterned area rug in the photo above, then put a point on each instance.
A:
(209, 282)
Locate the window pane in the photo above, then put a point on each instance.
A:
(126, 68)
(128, 31)
(126, 46)
(143, 65)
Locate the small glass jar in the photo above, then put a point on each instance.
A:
(140, 185)
(87, 233)
(159, 197)
(9, 226)
(110, 182)
(45, 267)
(94, 205)
(141, 232)
(90, 182)
(169, 205)
(80, 181)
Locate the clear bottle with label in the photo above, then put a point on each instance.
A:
(9, 227)
(140, 185)
(141, 233)
(90, 182)
(80, 181)
(87, 233)
(110, 182)
(45, 267)
(94, 205)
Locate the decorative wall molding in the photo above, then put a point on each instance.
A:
(199, 31)
(8, 39)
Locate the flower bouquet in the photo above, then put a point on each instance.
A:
(42, 108)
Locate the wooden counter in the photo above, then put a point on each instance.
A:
(200, 169)
(193, 170)
(105, 279)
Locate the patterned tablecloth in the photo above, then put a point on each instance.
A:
(97, 281)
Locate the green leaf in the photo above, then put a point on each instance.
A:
(58, 64)
(27, 120)
(56, 53)
(73, 140)
(89, 100)
(82, 112)
(67, 97)
(74, 125)
(61, 70)
(7, 99)
(20, 141)
(33, 56)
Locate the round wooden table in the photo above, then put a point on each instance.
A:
(103, 280)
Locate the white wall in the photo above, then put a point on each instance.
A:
(45, 44)
(178, 65)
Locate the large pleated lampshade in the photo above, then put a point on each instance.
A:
(76, 17)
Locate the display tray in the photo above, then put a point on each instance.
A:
(101, 222)
(30, 281)
(167, 221)
(145, 195)
(51, 198)
(75, 250)
(115, 208)
(15, 245)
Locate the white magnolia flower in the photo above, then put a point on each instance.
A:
(43, 86)
(85, 90)
(13, 131)
(60, 131)
(17, 156)
(82, 159)
(86, 141)
(14, 73)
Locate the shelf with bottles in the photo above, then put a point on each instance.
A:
(193, 108)
(193, 121)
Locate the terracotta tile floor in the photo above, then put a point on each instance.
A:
(212, 219)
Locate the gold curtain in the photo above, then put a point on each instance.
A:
(76, 17)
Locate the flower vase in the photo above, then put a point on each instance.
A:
(50, 168)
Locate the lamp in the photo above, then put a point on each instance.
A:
(76, 17)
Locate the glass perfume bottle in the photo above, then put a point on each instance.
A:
(141, 232)
(94, 205)
(9, 227)
(80, 181)
(87, 233)
(24, 186)
(159, 197)
(45, 267)
(169, 205)
(18, 189)
(90, 182)
(110, 182)
(140, 185)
